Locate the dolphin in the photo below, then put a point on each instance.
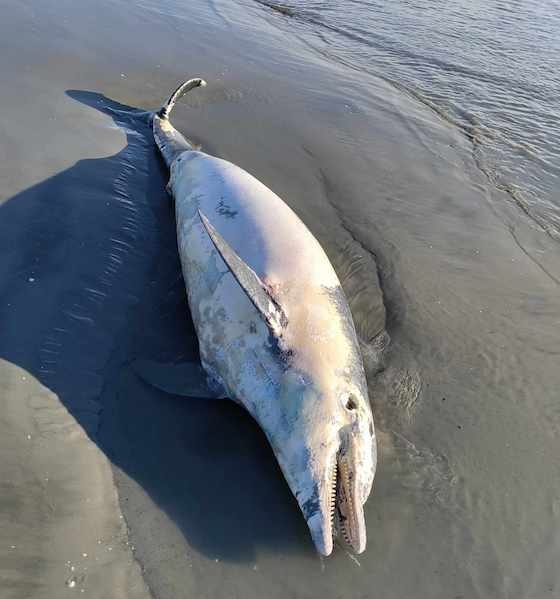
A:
(275, 332)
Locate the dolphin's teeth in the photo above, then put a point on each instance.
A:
(333, 491)
(345, 533)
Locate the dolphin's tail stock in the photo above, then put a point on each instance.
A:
(169, 141)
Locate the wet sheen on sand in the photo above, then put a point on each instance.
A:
(465, 501)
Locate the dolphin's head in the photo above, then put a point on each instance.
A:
(325, 445)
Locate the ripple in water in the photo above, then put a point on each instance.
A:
(492, 69)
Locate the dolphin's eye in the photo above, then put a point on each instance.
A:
(350, 403)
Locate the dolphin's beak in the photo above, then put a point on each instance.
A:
(321, 532)
(321, 519)
(339, 508)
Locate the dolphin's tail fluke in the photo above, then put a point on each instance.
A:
(169, 141)
(178, 93)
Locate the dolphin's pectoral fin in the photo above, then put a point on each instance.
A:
(187, 379)
(248, 279)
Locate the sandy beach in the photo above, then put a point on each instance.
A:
(110, 488)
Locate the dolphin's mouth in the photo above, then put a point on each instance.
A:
(346, 510)
(341, 513)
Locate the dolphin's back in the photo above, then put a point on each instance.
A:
(267, 235)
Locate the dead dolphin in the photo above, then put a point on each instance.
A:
(275, 332)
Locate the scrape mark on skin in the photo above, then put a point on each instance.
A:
(225, 210)
(310, 507)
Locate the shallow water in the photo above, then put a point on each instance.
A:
(491, 68)
(465, 397)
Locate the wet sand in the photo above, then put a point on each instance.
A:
(169, 497)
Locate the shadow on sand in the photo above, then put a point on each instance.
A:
(93, 282)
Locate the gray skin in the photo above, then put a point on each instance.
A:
(275, 331)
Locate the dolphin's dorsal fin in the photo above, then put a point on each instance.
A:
(250, 282)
